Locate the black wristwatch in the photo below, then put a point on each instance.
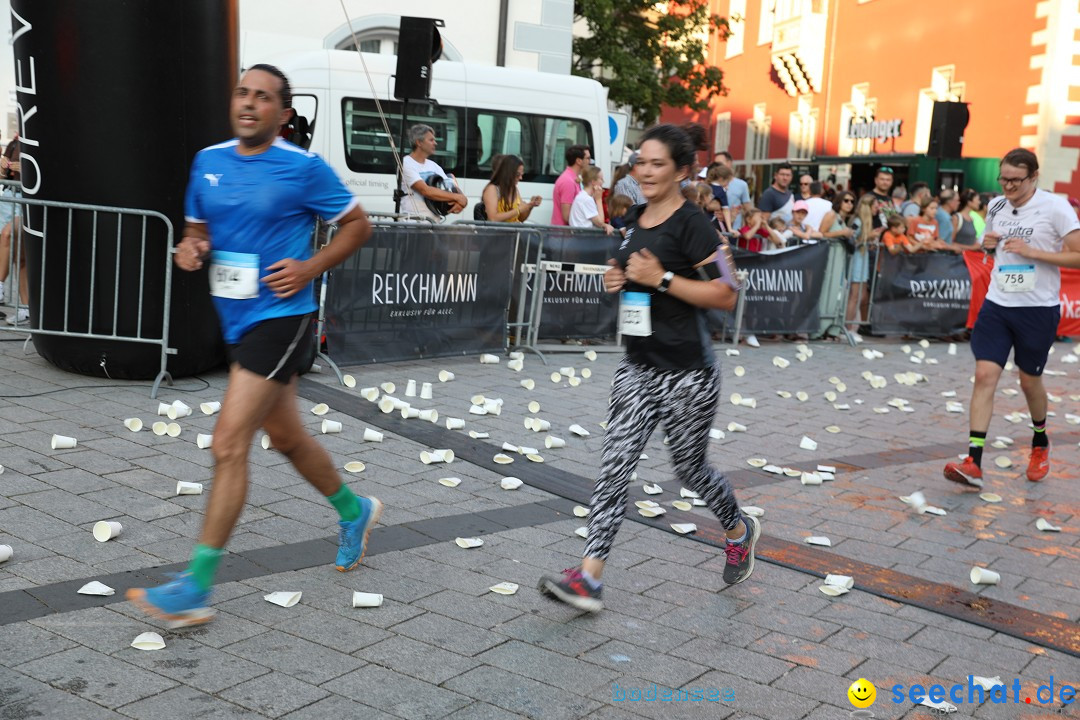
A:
(665, 282)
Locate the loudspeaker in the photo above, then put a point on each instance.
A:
(419, 45)
(947, 129)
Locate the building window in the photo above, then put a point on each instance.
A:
(861, 108)
(722, 140)
(765, 29)
(737, 25)
(944, 88)
(758, 129)
(802, 130)
(370, 46)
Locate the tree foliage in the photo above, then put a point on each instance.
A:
(650, 53)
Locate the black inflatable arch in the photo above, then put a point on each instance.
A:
(114, 100)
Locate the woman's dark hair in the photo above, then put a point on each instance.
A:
(504, 177)
(698, 136)
(838, 201)
(621, 171)
(1021, 158)
(677, 142)
(967, 196)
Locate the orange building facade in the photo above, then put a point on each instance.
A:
(809, 79)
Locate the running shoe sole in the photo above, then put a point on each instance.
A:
(755, 533)
(376, 512)
(954, 474)
(1040, 473)
(551, 587)
(198, 616)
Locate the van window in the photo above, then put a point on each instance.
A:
(302, 125)
(367, 149)
(468, 138)
(540, 142)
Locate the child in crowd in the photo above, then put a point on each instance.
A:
(798, 227)
(895, 240)
(618, 205)
(758, 236)
(778, 227)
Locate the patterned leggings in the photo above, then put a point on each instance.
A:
(685, 400)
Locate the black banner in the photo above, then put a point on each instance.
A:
(921, 295)
(783, 288)
(415, 291)
(575, 303)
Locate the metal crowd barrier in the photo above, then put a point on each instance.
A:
(107, 275)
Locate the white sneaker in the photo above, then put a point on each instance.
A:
(855, 336)
(752, 341)
(20, 317)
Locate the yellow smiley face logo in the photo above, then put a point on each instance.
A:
(862, 693)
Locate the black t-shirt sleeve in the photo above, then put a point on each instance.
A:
(767, 201)
(699, 239)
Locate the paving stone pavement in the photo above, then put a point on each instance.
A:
(442, 645)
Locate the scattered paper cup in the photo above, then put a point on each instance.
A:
(172, 429)
(510, 483)
(528, 383)
(148, 641)
(553, 442)
(410, 388)
(540, 425)
(739, 371)
(516, 364)
(425, 391)
(163, 408)
(477, 410)
(1003, 461)
(844, 581)
(386, 404)
(990, 497)
(63, 442)
(446, 376)
(833, 590)
(5, 553)
(371, 394)
(502, 459)
(204, 441)
(579, 431)
(681, 505)
(534, 407)
(209, 408)
(178, 410)
(807, 444)
(454, 423)
(586, 373)
(984, 576)
(188, 488)
(331, 426)
(284, 598)
(556, 377)
(366, 600)
(105, 530)
(96, 588)
(590, 355)
(160, 427)
(372, 435)
(467, 543)
(684, 528)
(651, 512)
(736, 427)
(477, 435)
(818, 540)
(133, 424)
(355, 466)
(265, 442)
(574, 381)
(388, 388)
(489, 359)
(409, 412)
(320, 409)
(1041, 524)
(504, 588)
(493, 406)
(582, 532)
(581, 511)
(450, 482)
(348, 381)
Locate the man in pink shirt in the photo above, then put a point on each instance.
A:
(568, 184)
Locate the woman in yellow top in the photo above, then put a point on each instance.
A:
(501, 198)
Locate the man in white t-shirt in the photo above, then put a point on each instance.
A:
(417, 179)
(1032, 233)
(817, 206)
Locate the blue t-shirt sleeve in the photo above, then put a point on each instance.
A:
(326, 195)
(739, 194)
(193, 211)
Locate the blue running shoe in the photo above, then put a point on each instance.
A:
(179, 602)
(353, 536)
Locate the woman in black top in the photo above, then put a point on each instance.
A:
(667, 271)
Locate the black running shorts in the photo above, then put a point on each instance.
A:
(277, 349)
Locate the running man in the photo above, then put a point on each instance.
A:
(253, 200)
(1034, 233)
(668, 273)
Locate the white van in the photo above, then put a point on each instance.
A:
(478, 112)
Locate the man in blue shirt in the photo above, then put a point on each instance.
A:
(948, 204)
(738, 193)
(250, 206)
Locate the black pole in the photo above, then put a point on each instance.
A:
(398, 192)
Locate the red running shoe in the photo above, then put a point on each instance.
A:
(1039, 464)
(965, 473)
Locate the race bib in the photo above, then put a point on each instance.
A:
(1015, 278)
(635, 316)
(234, 275)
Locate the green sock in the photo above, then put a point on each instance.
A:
(345, 503)
(204, 562)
